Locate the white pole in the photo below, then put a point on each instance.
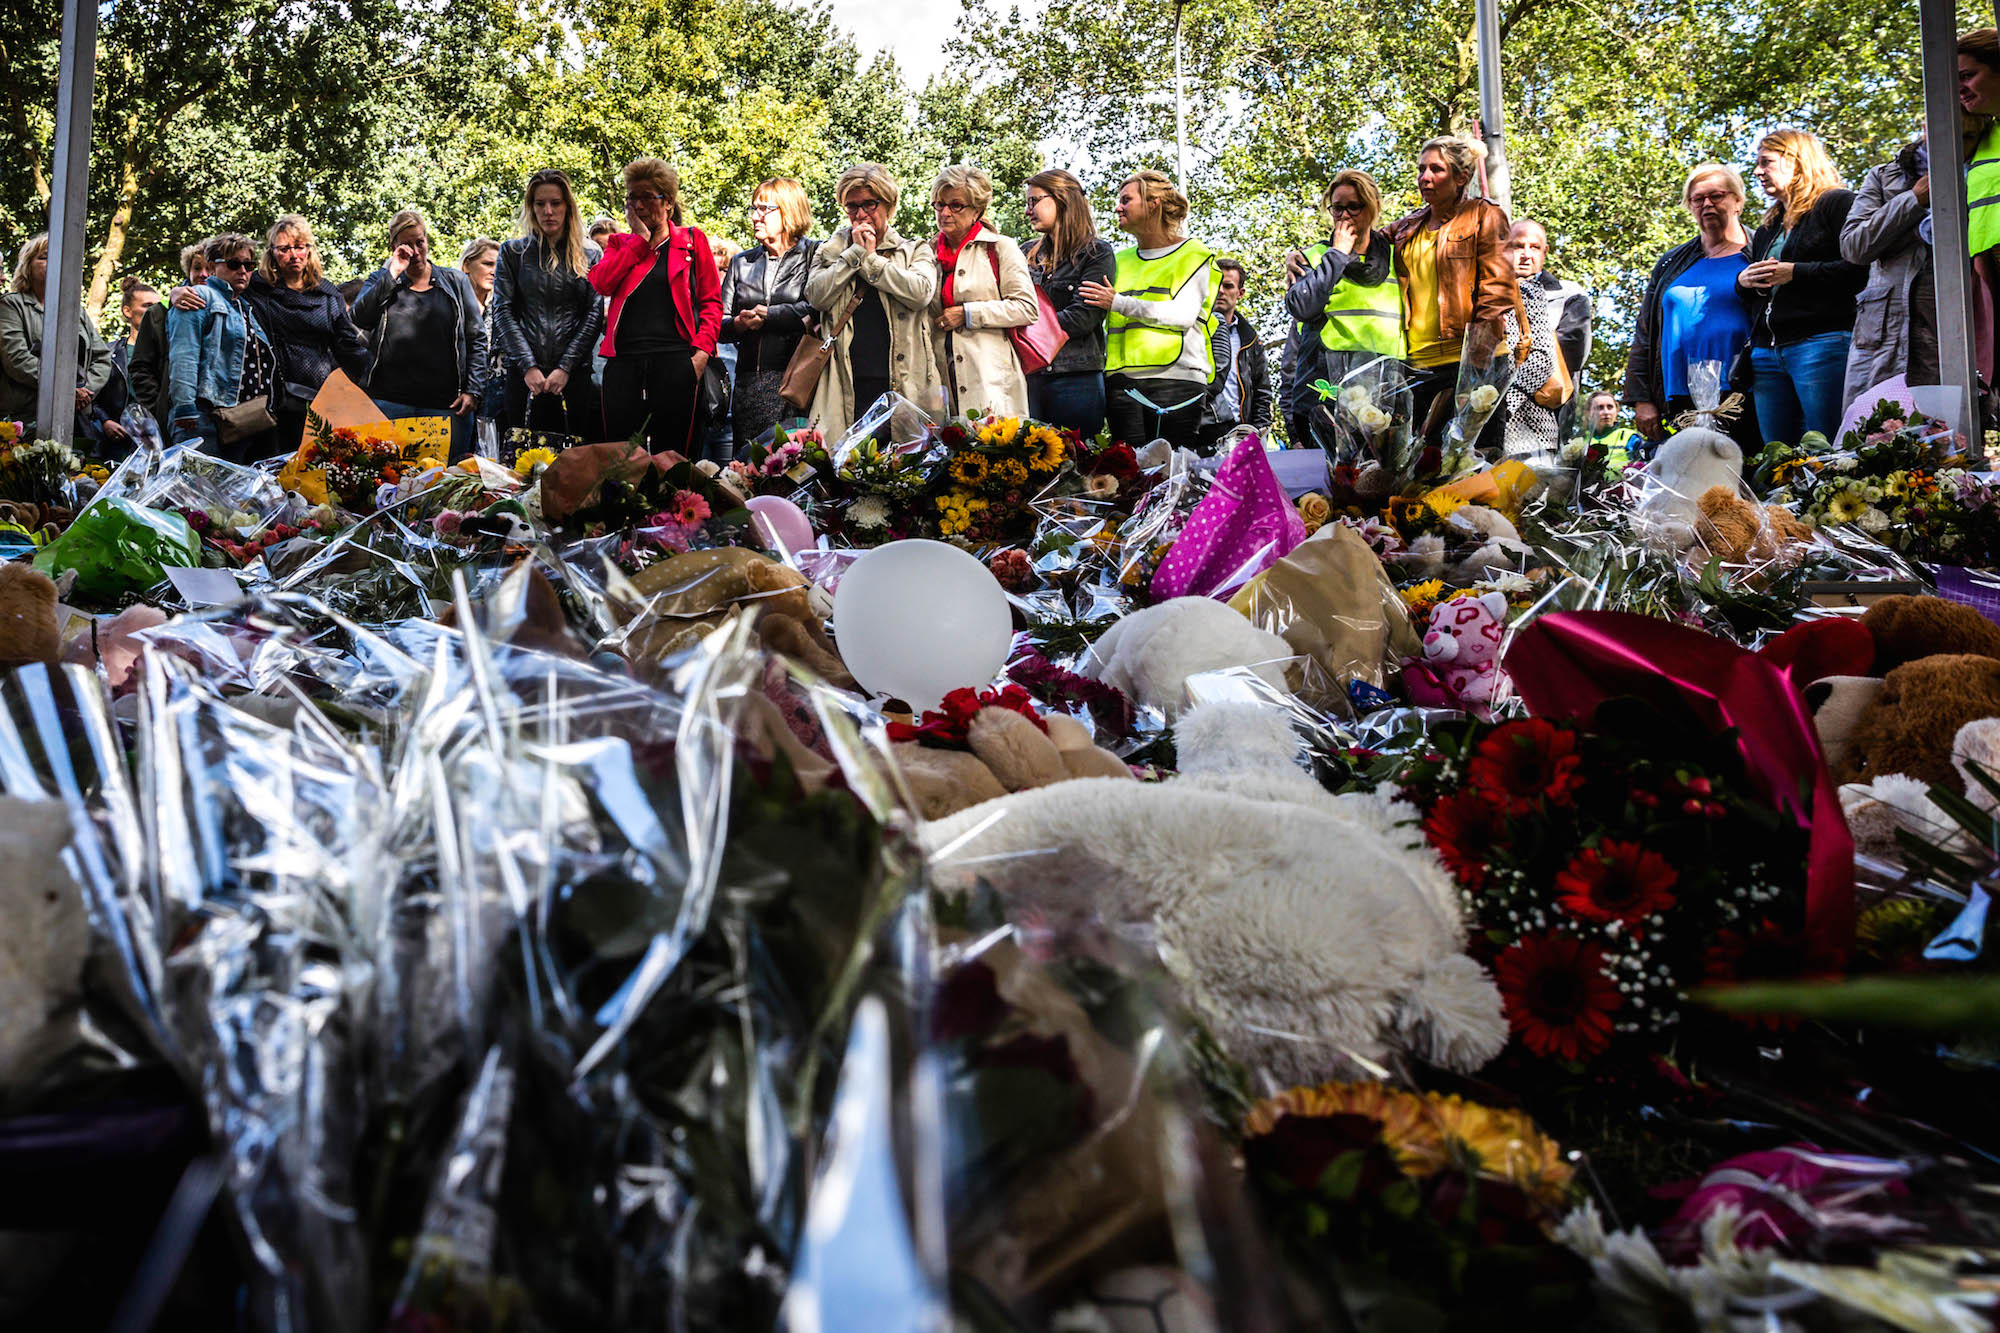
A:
(55, 410)
(1492, 117)
(1951, 261)
(1180, 103)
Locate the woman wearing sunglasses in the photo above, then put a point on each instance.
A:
(1345, 298)
(218, 358)
(872, 289)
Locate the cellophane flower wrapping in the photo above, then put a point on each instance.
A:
(1365, 425)
(1485, 368)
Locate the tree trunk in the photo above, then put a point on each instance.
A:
(17, 115)
(130, 180)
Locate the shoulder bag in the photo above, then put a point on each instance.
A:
(713, 392)
(1035, 344)
(808, 363)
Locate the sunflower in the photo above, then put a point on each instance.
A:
(1443, 505)
(1423, 596)
(1000, 433)
(528, 460)
(970, 468)
(1509, 1148)
(1556, 995)
(1010, 472)
(1407, 1127)
(1047, 449)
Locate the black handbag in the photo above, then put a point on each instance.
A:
(712, 395)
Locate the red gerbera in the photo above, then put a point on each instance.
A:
(1557, 995)
(1522, 763)
(1464, 827)
(1617, 881)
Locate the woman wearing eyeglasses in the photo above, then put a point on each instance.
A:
(310, 330)
(544, 314)
(1066, 253)
(764, 306)
(873, 289)
(666, 312)
(1346, 300)
(983, 290)
(426, 332)
(218, 356)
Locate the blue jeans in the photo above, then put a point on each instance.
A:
(1798, 386)
(1073, 400)
(461, 423)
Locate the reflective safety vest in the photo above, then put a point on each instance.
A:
(1982, 194)
(1362, 319)
(1130, 345)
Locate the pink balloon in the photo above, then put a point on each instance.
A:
(780, 524)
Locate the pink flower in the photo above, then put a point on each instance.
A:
(781, 460)
(690, 510)
(1894, 424)
(672, 537)
(447, 522)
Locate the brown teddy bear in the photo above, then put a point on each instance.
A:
(1939, 668)
(672, 605)
(1743, 533)
(28, 628)
(1008, 753)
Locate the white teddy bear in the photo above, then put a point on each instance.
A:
(1687, 465)
(1313, 933)
(1150, 654)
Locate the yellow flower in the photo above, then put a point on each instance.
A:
(1509, 1148)
(1010, 472)
(525, 462)
(1407, 1129)
(1315, 508)
(1443, 505)
(970, 468)
(1423, 595)
(1846, 507)
(1047, 449)
(426, 464)
(10, 431)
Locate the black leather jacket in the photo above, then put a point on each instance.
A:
(1082, 321)
(754, 279)
(543, 315)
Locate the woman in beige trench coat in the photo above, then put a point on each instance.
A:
(886, 345)
(983, 290)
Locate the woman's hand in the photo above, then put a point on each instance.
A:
(700, 362)
(188, 298)
(634, 225)
(399, 263)
(535, 380)
(1346, 236)
(1096, 293)
(464, 403)
(555, 381)
(1295, 266)
(864, 235)
(749, 321)
(83, 397)
(1646, 416)
(952, 318)
(114, 431)
(1767, 273)
(1922, 189)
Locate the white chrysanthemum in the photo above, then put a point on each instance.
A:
(870, 511)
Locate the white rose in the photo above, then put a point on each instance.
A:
(1483, 398)
(1874, 520)
(1373, 420)
(1354, 398)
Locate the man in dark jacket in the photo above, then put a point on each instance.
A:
(1569, 309)
(1240, 392)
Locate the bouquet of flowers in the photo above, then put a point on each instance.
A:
(789, 461)
(1897, 477)
(878, 493)
(36, 472)
(992, 474)
(1611, 868)
(1485, 369)
(1365, 427)
(343, 465)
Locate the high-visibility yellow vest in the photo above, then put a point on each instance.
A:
(1364, 319)
(1130, 345)
(1982, 194)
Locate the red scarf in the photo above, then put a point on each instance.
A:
(947, 257)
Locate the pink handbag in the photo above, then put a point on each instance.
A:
(1244, 525)
(1035, 344)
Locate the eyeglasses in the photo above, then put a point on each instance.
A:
(860, 206)
(945, 206)
(293, 249)
(763, 208)
(238, 264)
(1343, 208)
(642, 198)
(1713, 197)
(1035, 201)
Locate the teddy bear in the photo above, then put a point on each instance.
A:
(28, 628)
(1688, 466)
(48, 932)
(1495, 545)
(1311, 933)
(1460, 666)
(1007, 752)
(1742, 533)
(672, 605)
(1150, 654)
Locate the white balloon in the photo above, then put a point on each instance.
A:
(918, 619)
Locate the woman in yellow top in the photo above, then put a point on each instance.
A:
(1451, 261)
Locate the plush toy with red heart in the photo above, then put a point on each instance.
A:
(1460, 667)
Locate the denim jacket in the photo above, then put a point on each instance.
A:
(205, 351)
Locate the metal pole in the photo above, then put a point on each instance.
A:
(1951, 263)
(55, 410)
(1492, 119)
(1180, 104)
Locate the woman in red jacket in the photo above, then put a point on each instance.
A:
(666, 310)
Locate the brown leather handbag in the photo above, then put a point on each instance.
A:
(808, 363)
(250, 417)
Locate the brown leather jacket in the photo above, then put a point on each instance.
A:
(1475, 281)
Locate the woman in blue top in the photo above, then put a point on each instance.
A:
(218, 356)
(1693, 309)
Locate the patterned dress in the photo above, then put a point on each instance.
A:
(1531, 428)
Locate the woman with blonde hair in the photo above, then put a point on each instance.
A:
(666, 311)
(983, 290)
(1799, 289)
(1158, 359)
(1345, 299)
(764, 307)
(426, 331)
(1066, 253)
(307, 323)
(21, 327)
(872, 289)
(545, 314)
(1454, 272)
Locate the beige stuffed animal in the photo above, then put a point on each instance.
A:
(1009, 753)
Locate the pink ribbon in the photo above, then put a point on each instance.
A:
(1568, 662)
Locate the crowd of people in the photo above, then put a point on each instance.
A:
(600, 330)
